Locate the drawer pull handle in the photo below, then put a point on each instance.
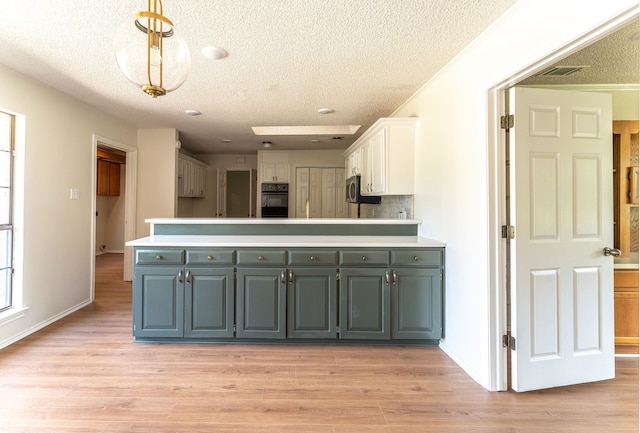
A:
(260, 258)
(209, 257)
(416, 258)
(313, 258)
(158, 257)
(364, 258)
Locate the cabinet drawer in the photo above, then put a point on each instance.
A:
(210, 257)
(159, 257)
(416, 257)
(364, 257)
(261, 257)
(310, 257)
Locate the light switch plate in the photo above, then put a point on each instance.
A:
(74, 194)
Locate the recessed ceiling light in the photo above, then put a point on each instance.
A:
(315, 141)
(266, 144)
(226, 140)
(325, 111)
(214, 53)
(192, 112)
(306, 130)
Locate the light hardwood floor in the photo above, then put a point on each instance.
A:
(85, 374)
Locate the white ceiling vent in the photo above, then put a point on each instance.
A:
(561, 71)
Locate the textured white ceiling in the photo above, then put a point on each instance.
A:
(287, 59)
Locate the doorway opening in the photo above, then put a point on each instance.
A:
(126, 220)
(499, 259)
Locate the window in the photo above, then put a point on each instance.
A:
(6, 220)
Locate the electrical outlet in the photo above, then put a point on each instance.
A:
(74, 194)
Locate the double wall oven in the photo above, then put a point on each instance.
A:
(275, 200)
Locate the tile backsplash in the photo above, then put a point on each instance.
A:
(390, 207)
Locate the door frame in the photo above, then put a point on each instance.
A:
(498, 378)
(131, 174)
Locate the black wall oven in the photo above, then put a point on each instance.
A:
(275, 200)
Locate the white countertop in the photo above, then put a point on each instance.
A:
(280, 221)
(285, 241)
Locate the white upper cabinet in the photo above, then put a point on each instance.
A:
(274, 166)
(191, 177)
(386, 153)
(275, 172)
(353, 163)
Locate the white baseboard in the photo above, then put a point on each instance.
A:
(43, 324)
(443, 346)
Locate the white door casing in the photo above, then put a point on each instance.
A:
(561, 207)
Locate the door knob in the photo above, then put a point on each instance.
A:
(611, 252)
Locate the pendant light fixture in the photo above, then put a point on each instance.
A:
(149, 52)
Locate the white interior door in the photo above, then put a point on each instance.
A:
(561, 207)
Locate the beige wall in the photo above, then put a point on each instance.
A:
(53, 270)
(157, 174)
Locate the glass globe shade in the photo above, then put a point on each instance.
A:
(166, 72)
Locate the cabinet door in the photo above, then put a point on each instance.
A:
(261, 303)
(103, 178)
(209, 302)
(377, 162)
(364, 303)
(158, 302)
(312, 303)
(416, 304)
(281, 172)
(114, 179)
(268, 172)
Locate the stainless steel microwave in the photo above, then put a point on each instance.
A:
(353, 192)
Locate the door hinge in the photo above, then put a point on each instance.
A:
(508, 232)
(507, 122)
(509, 341)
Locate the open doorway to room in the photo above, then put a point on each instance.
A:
(113, 202)
(236, 193)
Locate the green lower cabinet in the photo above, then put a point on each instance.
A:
(158, 302)
(416, 304)
(261, 303)
(365, 304)
(209, 302)
(312, 303)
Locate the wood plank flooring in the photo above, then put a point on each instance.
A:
(85, 374)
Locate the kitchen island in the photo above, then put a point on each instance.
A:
(284, 280)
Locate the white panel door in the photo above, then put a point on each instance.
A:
(561, 282)
(342, 211)
(328, 193)
(302, 191)
(315, 193)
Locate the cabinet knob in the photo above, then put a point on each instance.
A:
(158, 257)
(416, 258)
(261, 258)
(364, 258)
(209, 257)
(313, 258)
